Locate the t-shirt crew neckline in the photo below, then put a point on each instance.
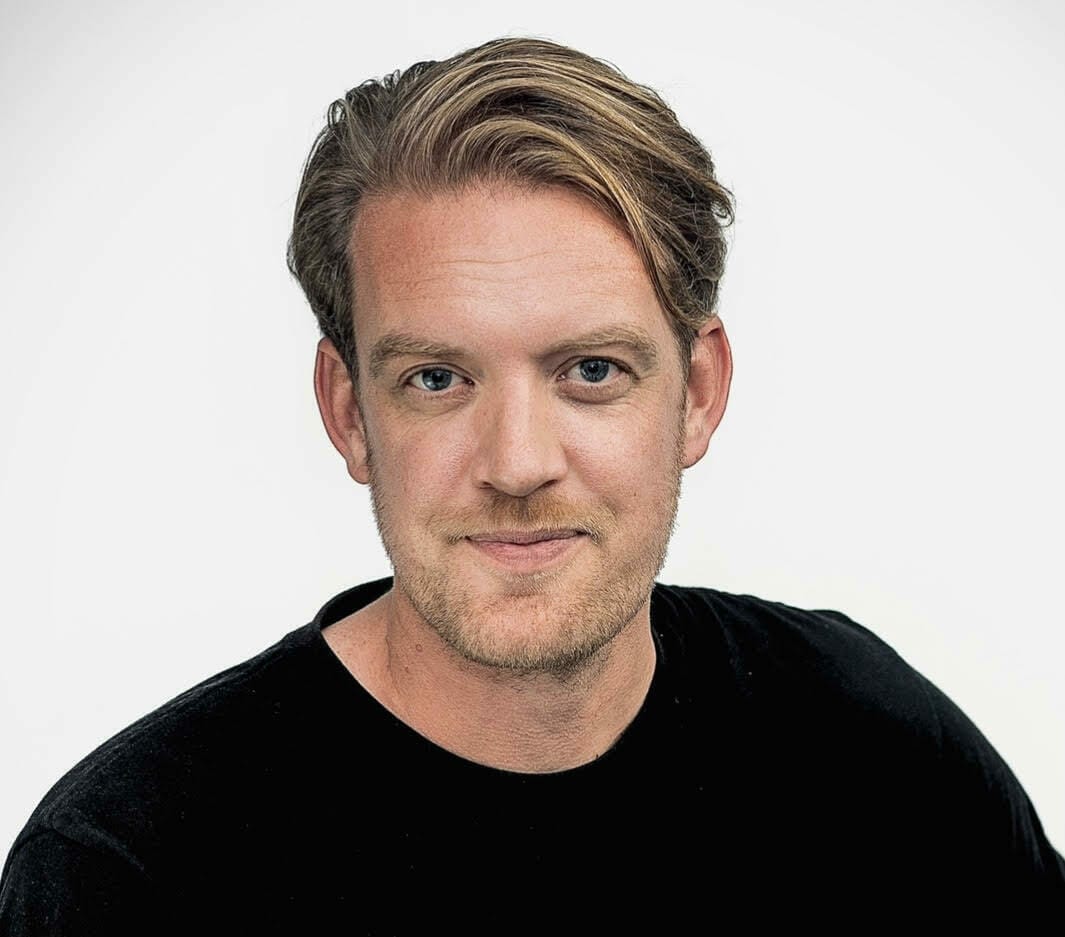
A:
(347, 690)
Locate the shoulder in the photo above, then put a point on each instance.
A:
(773, 648)
(837, 723)
(818, 667)
(154, 772)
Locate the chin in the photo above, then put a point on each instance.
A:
(532, 627)
(550, 653)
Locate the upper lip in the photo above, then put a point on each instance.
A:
(525, 536)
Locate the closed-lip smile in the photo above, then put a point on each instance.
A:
(524, 536)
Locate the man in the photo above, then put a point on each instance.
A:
(514, 257)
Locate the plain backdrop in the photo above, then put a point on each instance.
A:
(170, 503)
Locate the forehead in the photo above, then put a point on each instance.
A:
(493, 257)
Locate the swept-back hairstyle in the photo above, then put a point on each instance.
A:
(528, 112)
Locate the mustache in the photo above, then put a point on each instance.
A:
(506, 513)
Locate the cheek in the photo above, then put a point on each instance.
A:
(627, 460)
(423, 464)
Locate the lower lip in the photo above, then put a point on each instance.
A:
(527, 557)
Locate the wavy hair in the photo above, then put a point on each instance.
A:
(528, 112)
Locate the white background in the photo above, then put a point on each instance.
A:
(170, 503)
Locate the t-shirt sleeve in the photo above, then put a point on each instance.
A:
(998, 837)
(53, 885)
(982, 845)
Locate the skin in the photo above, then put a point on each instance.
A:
(541, 670)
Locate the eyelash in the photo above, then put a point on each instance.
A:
(447, 393)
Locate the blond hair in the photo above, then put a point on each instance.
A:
(528, 112)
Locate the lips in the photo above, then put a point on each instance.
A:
(527, 552)
(524, 536)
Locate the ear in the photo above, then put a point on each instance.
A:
(340, 410)
(707, 390)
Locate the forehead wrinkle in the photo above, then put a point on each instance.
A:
(448, 261)
(582, 266)
(597, 281)
(411, 223)
(405, 295)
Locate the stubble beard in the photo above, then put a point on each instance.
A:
(531, 628)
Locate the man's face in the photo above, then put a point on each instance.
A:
(522, 424)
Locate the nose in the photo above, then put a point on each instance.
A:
(519, 449)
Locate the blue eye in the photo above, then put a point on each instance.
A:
(434, 382)
(595, 370)
(438, 378)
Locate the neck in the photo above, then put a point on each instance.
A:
(519, 721)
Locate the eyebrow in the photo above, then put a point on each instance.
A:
(394, 345)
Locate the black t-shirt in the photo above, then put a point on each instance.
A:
(786, 765)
